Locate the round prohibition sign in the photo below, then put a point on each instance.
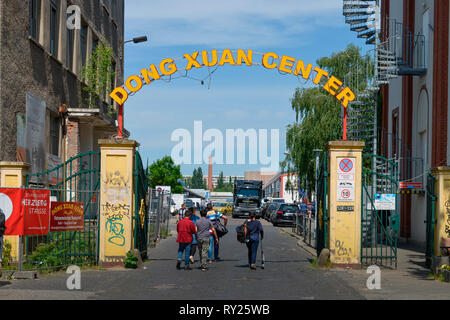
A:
(346, 165)
(345, 194)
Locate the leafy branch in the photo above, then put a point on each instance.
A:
(98, 75)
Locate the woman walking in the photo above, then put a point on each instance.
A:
(255, 229)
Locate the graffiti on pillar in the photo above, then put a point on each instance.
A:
(447, 218)
(115, 228)
(341, 250)
(116, 207)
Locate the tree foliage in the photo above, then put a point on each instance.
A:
(164, 172)
(98, 75)
(318, 114)
(197, 181)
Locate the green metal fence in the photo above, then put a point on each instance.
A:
(431, 219)
(76, 180)
(322, 206)
(141, 187)
(379, 228)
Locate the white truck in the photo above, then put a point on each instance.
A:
(178, 200)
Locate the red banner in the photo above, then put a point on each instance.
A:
(27, 211)
(67, 216)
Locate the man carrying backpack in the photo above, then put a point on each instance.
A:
(214, 217)
(254, 229)
(2, 232)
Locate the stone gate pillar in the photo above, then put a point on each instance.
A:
(344, 198)
(13, 175)
(442, 207)
(116, 200)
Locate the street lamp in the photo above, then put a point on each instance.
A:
(120, 120)
(137, 39)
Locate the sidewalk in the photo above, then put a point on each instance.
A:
(408, 282)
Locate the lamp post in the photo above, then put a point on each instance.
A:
(120, 116)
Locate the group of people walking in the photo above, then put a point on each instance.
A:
(200, 233)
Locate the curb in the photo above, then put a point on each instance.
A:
(301, 244)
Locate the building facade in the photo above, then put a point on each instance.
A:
(415, 104)
(45, 116)
(282, 185)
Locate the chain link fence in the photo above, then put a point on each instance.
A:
(160, 210)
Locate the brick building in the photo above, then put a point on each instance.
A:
(415, 104)
(41, 60)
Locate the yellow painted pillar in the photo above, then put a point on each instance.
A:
(344, 198)
(13, 175)
(116, 200)
(442, 206)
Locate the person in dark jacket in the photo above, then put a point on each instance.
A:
(255, 229)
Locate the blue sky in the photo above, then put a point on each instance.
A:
(237, 96)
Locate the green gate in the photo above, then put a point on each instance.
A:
(379, 228)
(140, 218)
(76, 180)
(322, 206)
(431, 220)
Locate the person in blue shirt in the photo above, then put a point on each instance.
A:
(194, 219)
(214, 217)
(255, 229)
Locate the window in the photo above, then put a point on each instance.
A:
(53, 27)
(83, 40)
(113, 9)
(94, 42)
(54, 136)
(35, 6)
(112, 78)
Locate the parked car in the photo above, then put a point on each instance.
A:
(285, 214)
(264, 208)
(278, 200)
(272, 207)
(222, 207)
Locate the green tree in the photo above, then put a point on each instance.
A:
(164, 172)
(318, 114)
(197, 179)
(220, 181)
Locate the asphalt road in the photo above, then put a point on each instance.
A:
(288, 275)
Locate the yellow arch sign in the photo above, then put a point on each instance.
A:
(270, 60)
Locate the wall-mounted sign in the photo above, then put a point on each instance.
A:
(345, 179)
(345, 208)
(270, 60)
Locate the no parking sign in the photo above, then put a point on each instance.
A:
(345, 179)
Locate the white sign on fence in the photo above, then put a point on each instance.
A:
(384, 201)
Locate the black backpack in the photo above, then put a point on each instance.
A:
(243, 235)
(2, 223)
